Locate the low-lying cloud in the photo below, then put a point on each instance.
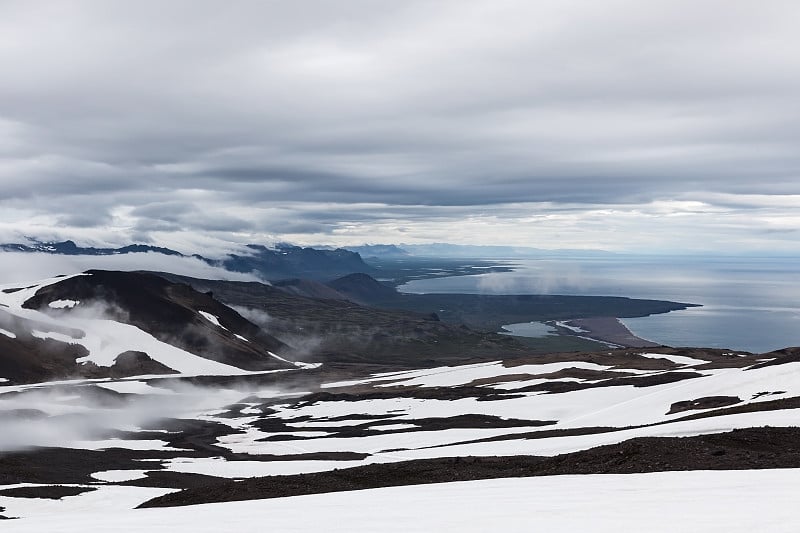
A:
(65, 416)
(18, 267)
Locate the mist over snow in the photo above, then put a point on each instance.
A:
(53, 415)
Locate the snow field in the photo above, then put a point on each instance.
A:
(701, 501)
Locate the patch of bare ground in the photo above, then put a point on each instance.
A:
(779, 357)
(754, 407)
(54, 466)
(770, 405)
(627, 358)
(171, 480)
(423, 393)
(707, 402)
(752, 448)
(49, 492)
(576, 373)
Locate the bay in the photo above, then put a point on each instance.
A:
(748, 303)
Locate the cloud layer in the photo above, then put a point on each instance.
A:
(191, 123)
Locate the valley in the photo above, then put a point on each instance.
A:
(125, 390)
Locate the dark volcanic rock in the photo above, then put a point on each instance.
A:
(49, 492)
(26, 358)
(780, 357)
(293, 261)
(54, 466)
(333, 330)
(736, 450)
(134, 363)
(708, 402)
(169, 312)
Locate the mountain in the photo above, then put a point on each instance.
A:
(70, 248)
(553, 426)
(288, 261)
(282, 262)
(340, 330)
(173, 392)
(380, 251)
(364, 289)
(104, 323)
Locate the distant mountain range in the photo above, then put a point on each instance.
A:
(464, 251)
(70, 248)
(283, 261)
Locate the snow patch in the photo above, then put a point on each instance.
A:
(393, 427)
(677, 359)
(298, 364)
(133, 387)
(63, 304)
(738, 501)
(115, 476)
(8, 333)
(213, 319)
(54, 335)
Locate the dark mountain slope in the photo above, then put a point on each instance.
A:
(364, 289)
(309, 289)
(344, 331)
(284, 261)
(170, 312)
(294, 261)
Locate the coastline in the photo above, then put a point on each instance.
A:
(605, 329)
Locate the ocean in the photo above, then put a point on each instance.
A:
(748, 304)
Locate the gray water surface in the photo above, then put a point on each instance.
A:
(749, 304)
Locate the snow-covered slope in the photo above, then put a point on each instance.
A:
(105, 323)
(725, 502)
(213, 405)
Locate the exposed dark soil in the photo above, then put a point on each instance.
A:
(372, 427)
(172, 480)
(752, 448)
(53, 466)
(577, 373)
(49, 492)
(768, 405)
(135, 363)
(708, 402)
(632, 359)
(636, 381)
(781, 357)
(424, 393)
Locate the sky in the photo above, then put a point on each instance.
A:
(659, 126)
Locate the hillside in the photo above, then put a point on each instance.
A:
(105, 323)
(172, 394)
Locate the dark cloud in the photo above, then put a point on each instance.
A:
(359, 119)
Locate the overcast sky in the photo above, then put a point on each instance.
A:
(645, 126)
